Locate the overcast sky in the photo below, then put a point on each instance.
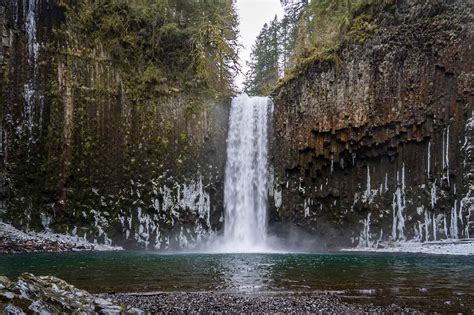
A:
(253, 14)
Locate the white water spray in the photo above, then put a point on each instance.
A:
(246, 175)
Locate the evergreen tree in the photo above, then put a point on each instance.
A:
(287, 44)
(293, 8)
(265, 60)
(310, 30)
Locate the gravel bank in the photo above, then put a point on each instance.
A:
(211, 302)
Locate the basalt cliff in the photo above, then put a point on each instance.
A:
(375, 144)
(114, 121)
(110, 130)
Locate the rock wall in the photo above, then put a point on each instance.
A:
(99, 144)
(376, 145)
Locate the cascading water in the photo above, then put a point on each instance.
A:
(246, 175)
(31, 94)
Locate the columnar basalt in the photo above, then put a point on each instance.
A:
(374, 144)
(95, 140)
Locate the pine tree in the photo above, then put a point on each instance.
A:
(265, 60)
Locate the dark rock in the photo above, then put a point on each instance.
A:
(52, 295)
(369, 122)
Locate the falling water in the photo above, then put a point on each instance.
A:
(31, 94)
(246, 175)
(30, 26)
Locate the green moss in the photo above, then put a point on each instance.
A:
(333, 27)
(362, 27)
(183, 137)
(141, 75)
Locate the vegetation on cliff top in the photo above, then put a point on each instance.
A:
(169, 45)
(309, 31)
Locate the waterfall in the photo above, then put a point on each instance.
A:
(30, 26)
(31, 95)
(246, 175)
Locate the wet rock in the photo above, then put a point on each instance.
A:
(48, 294)
(384, 144)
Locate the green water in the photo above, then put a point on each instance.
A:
(383, 275)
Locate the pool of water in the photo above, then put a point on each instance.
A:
(386, 276)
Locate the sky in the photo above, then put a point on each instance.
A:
(253, 14)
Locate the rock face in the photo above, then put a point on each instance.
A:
(94, 142)
(377, 145)
(51, 295)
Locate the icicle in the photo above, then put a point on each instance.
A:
(447, 156)
(394, 219)
(418, 232)
(468, 221)
(429, 159)
(433, 195)
(403, 179)
(380, 238)
(427, 223)
(445, 225)
(306, 207)
(444, 150)
(364, 239)
(277, 198)
(367, 194)
(398, 224)
(400, 215)
(454, 221)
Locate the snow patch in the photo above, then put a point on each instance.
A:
(445, 247)
(7, 231)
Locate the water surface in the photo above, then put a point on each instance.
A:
(381, 275)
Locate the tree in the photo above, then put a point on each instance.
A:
(293, 8)
(265, 60)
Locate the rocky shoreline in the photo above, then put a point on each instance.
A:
(51, 295)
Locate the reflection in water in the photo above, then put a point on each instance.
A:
(432, 278)
(246, 273)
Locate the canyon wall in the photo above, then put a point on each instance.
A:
(98, 143)
(374, 144)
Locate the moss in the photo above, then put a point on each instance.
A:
(362, 27)
(354, 26)
(137, 92)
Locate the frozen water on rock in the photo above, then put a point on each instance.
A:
(277, 197)
(444, 247)
(75, 242)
